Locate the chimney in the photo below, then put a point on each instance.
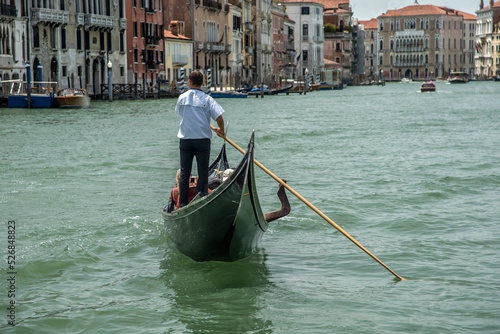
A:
(173, 28)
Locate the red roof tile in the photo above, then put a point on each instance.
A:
(371, 24)
(420, 10)
(168, 34)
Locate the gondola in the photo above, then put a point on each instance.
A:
(227, 224)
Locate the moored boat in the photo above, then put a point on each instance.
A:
(284, 89)
(228, 94)
(73, 98)
(227, 224)
(428, 86)
(257, 91)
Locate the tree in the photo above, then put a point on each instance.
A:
(330, 28)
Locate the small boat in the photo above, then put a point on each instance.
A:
(245, 88)
(428, 86)
(458, 77)
(284, 89)
(228, 94)
(406, 80)
(73, 98)
(228, 223)
(326, 86)
(256, 90)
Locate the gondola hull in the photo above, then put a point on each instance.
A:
(226, 225)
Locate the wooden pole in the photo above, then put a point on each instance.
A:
(321, 214)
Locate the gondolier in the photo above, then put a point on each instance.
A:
(196, 109)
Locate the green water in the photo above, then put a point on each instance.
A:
(414, 177)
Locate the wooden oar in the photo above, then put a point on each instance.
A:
(306, 202)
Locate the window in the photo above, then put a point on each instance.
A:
(305, 29)
(78, 39)
(304, 55)
(53, 38)
(64, 71)
(63, 38)
(305, 10)
(134, 28)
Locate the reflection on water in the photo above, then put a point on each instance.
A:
(222, 297)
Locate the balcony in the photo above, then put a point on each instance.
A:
(198, 46)
(152, 41)
(227, 48)
(52, 16)
(218, 48)
(179, 60)
(99, 22)
(80, 19)
(207, 46)
(249, 50)
(7, 13)
(123, 24)
(305, 38)
(212, 5)
(248, 27)
(267, 48)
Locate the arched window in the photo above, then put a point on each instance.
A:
(381, 45)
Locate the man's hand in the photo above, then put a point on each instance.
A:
(219, 131)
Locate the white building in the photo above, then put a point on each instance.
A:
(308, 35)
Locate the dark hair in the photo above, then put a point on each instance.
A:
(196, 78)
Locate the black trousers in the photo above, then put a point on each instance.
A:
(190, 148)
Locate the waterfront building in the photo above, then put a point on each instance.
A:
(236, 38)
(178, 54)
(74, 41)
(469, 44)
(339, 45)
(291, 52)
(308, 35)
(280, 39)
(263, 55)
(487, 18)
(370, 46)
(145, 54)
(14, 48)
(421, 42)
(207, 24)
(495, 46)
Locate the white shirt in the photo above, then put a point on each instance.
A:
(196, 109)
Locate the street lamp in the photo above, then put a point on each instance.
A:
(110, 81)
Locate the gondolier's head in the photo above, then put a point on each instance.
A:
(195, 79)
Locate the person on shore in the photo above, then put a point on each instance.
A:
(196, 108)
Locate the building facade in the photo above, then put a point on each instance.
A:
(421, 42)
(144, 38)
(370, 29)
(73, 42)
(14, 36)
(487, 18)
(308, 35)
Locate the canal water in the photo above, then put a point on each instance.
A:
(413, 177)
